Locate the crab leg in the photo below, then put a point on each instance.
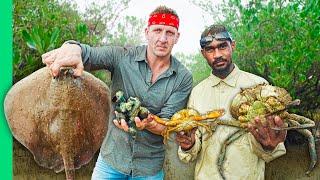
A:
(159, 120)
(303, 122)
(223, 150)
(296, 102)
(209, 115)
(208, 129)
(165, 133)
(311, 143)
(232, 122)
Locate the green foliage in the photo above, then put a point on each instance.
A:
(196, 64)
(129, 33)
(40, 40)
(108, 19)
(81, 30)
(43, 25)
(200, 70)
(40, 26)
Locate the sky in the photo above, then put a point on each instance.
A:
(192, 19)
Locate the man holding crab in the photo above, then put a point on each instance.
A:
(246, 156)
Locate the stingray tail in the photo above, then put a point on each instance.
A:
(69, 167)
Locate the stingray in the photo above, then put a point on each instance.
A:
(62, 120)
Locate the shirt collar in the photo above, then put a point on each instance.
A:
(173, 65)
(230, 80)
(142, 55)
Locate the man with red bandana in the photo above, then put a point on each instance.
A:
(148, 72)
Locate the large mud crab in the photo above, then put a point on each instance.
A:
(263, 100)
(62, 120)
(187, 119)
(128, 109)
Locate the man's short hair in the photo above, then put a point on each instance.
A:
(217, 32)
(214, 29)
(164, 10)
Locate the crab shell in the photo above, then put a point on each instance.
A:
(271, 96)
(184, 113)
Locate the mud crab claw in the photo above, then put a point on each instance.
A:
(296, 102)
(292, 127)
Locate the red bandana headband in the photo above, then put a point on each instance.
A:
(164, 19)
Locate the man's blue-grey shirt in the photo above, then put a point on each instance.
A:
(130, 72)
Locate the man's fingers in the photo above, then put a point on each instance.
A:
(180, 133)
(55, 68)
(261, 127)
(258, 131)
(79, 70)
(139, 124)
(48, 58)
(183, 139)
(179, 138)
(194, 130)
(283, 135)
(191, 133)
(150, 117)
(116, 122)
(186, 143)
(45, 55)
(67, 55)
(271, 124)
(76, 65)
(270, 120)
(253, 130)
(278, 121)
(124, 125)
(258, 122)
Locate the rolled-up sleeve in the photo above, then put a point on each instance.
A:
(105, 57)
(267, 156)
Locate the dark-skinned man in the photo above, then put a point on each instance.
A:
(246, 156)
